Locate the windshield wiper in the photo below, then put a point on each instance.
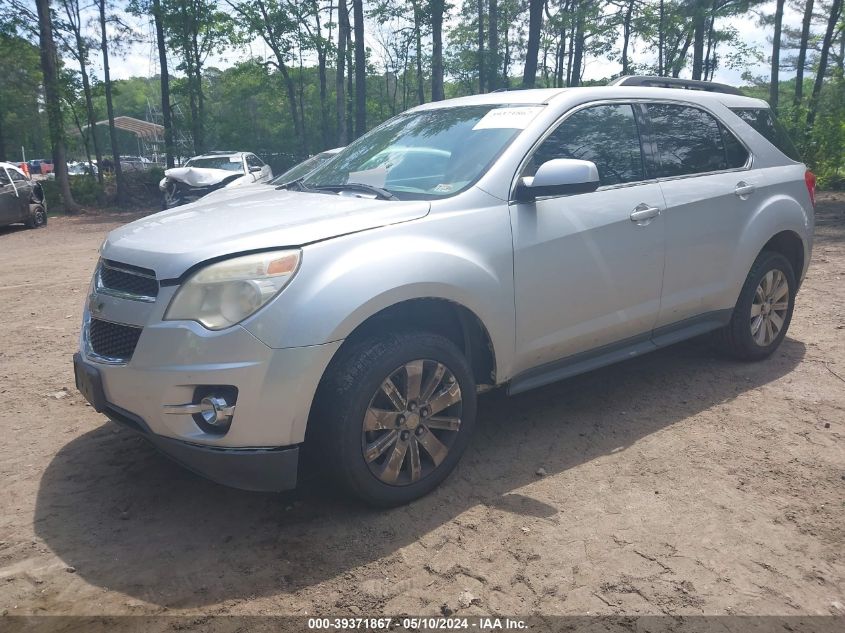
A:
(295, 185)
(384, 194)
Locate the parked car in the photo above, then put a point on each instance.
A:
(81, 168)
(41, 166)
(135, 163)
(203, 174)
(21, 199)
(508, 239)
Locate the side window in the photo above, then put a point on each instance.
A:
(253, 161)
(604, 134)
(688, 140)
(4, 178)
(17, 176)
(735, 152)
(764, 122)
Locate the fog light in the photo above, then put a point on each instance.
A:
(212, 409)
(216, 411)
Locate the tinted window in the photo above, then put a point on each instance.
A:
(762, 120)
(4, 179)
(17, 176)
(254, 161)
(735, 152)
(688, 140)
(606, 135)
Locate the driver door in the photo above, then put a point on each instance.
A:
(9, 203)
(588, 267)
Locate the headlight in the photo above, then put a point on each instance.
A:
(223, 294)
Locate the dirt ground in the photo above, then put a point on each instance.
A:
(677, 483)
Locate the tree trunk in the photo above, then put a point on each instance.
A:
(775, 74)
(626, 36)
(482, 75)
(2, 137)
(437, 9)
(340, 94)
(290, 89)
(802, 57)
(418, 42)
(535, 23)
(104, 44)
(321, 73)
(360, 70)
(578, 56)
(699, 29)
(493, 44)
(835, 10)
(661, 38)
(89, 112)
(199, 141)
(52, 103)
(166, 115)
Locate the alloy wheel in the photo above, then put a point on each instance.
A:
(769, 307)
(411, 422)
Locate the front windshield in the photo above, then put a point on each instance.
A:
(302, 169)
(427, 154)
(229, 163)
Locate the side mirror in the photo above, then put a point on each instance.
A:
(254, 169)
(559, 177)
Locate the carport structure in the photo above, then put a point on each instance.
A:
(150, 135)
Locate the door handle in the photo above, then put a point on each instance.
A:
(743, 189)
(642, 212)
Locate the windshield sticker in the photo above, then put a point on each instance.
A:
(443, 188)
(234, 159)
(374, 177)
(511, 118)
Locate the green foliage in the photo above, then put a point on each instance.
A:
(22, 122)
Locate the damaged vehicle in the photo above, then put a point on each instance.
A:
(216, 170)
(21, 199)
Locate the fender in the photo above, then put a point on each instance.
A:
(344, 281)
(778, 212)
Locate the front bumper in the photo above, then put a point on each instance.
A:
(259, 469)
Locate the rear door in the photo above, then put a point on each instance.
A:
(710, 193)
(588, 266)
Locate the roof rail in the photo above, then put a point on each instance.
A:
(674, 82)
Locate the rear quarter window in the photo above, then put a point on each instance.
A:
(764, 122)
(689, 141)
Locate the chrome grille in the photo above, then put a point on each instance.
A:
(126, 281)
(112, 342)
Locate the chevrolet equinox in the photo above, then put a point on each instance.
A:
(507, 239)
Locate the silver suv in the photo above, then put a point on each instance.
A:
(509, 239)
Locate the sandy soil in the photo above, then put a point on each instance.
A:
(677, 483)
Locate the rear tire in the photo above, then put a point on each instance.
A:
(393, 415)
(763, 311)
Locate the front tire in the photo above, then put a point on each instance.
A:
(393, 416)
(763, 311)
(37, 216)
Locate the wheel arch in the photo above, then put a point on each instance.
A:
(436, 315)
(789, 244)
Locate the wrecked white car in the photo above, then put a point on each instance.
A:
(203, 174)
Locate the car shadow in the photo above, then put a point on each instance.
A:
(131, 521)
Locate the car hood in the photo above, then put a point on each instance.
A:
(172, 241)
(200, 176)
